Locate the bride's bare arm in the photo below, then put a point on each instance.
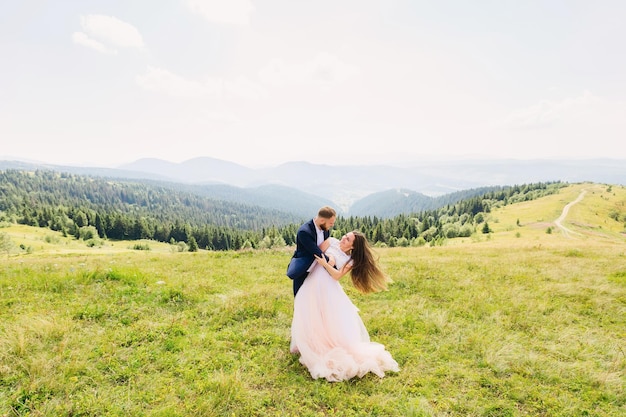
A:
(325, 245)
(335, 273)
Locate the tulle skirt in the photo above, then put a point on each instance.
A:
(329, 334)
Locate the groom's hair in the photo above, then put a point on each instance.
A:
(326, 212)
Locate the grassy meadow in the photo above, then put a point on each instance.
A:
(524, 321)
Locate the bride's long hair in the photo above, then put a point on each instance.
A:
(367, 277)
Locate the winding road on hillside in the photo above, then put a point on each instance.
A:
(558, 222)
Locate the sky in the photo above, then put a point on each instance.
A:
(260, 83)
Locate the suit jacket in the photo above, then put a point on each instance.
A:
(306, 248)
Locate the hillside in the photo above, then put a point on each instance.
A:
(351, 188)
(391, 203)
(580, 211)
(99, 208)
(158, 199)
(95, 208)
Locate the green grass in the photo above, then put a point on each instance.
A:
(497, 325)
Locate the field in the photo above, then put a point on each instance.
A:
(529, 320)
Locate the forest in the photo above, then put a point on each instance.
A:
(95, 208)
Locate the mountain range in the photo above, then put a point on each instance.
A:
(381, 190)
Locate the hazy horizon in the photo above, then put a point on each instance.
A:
(431, 160)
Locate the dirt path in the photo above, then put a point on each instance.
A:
(558, 222)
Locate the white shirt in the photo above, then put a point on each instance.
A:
(320, 239)
(320, 235)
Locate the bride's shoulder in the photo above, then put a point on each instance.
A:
(333, 243)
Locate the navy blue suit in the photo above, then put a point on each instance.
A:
(306, 247)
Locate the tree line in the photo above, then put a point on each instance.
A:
(95, 208)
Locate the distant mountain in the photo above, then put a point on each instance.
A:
(301, 187)
(345, 184)
(276, 197)
(391, 203)
(510, 171)
(97, 171)
(196, 170)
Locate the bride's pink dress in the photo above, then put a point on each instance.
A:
(328, 332)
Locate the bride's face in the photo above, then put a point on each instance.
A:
(346, 242)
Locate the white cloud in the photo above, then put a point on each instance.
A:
(585, 125)
(221, 117)
(112, 30)
(163, 81)
(81, 38)
(235, 12)
(323, 69)
(547, 113)
(245, 88)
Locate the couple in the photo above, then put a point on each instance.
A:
(327, 330)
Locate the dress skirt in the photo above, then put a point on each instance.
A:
(329, 334)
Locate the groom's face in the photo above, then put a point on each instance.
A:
(326, 224)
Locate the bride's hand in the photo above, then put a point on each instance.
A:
(332, 271)
(322, 260)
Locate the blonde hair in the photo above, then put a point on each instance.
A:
(367, 277)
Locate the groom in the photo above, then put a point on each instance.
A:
(308, 238)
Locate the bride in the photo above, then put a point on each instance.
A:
(327, 330)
